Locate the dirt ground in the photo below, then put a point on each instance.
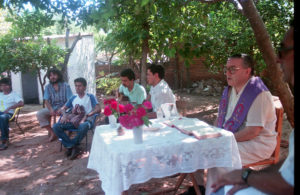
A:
(31, 165)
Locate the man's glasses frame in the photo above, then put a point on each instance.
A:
(231, 70)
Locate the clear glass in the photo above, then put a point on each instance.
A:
(159, 114)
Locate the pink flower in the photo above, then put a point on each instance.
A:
(124, 121)
(136, 121)
(121, 108)
(140, 112)
(114, 105)
(107, 111)
(128, 107)
(147, 104)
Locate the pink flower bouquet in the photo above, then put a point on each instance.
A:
(134, 117)
(113, 107)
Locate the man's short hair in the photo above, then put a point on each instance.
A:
(248, 61)
(157, 69)
(6, 81)
(128, 73)
(81, 80)
(57, 72)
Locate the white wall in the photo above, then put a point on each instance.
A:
(81, 64)
(16, 83)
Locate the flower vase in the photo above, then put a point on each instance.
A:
(112, 121)
(138, 135)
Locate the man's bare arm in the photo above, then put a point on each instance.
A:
(247, 133)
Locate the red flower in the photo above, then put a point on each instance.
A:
(107, 111)
(136, 121)
(121, 108)
(128, 107)
(114, 104)
(147, 104)
(140, 112)
(124, 120)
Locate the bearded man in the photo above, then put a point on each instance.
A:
(56, 94)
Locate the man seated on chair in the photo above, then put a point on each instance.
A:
(160, 92)
(56, 94)
(247, 110)
(91, 107)
(129, 90)
(278, 178)
(9, 100)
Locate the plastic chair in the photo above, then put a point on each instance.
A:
(275, 156)
(92, 127)
(15, 117)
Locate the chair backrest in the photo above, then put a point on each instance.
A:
(15, 116)
(169, 109)
(278, 128)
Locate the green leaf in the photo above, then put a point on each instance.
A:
(144, 2)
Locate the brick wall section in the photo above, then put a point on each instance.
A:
(197, 72)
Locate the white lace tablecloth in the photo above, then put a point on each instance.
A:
(121, 163)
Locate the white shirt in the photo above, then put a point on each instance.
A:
(287, 168)
(261, 113)
(85, 101)
(9, 100)
(160, 94)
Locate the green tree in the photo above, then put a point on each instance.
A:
(23, 49)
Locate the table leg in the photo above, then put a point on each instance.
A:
(179, 182)
(197, 190)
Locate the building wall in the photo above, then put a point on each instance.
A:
(81, 64)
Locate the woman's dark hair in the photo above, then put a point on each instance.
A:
(57, 72)
(128, 73)
(81, 80)
(157, 69)
(248, 61)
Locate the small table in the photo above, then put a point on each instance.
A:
(121, 163)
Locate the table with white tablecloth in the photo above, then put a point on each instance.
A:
(164, 152)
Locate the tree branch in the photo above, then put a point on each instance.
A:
(210, 1)
(265, 46)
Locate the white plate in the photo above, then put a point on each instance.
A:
(153, 127)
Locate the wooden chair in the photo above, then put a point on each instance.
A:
(15, 117)
(278, 128)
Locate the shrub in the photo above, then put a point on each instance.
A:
(108, 85)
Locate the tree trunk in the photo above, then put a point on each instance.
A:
(42, 85)
(273, 70)
(68, 54)
(177, 71)
(145, 51)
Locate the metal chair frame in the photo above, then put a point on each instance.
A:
(14, 118)
(86, 137)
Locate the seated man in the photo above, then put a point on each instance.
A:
(57, 92)
(160, 92)
(9, 100)
(136, 93)
(278, 178)
(91, 107)
(247, 110)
